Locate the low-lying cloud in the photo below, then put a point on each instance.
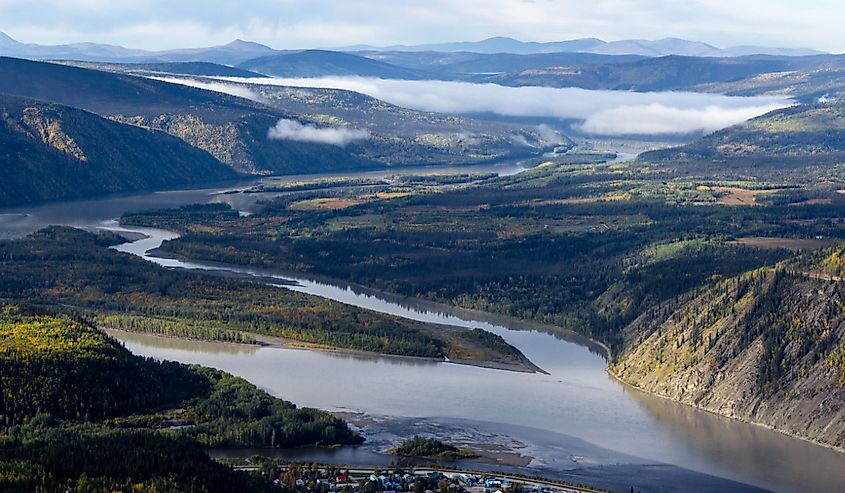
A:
(293, 130)
(598, 112)
(239, 90)
(659, 119)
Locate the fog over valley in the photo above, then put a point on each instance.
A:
(598, 112)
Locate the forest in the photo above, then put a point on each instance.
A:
(81, 413)
(63, 266)
(587, 247)
(431, 448)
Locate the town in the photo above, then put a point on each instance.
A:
(314, 478)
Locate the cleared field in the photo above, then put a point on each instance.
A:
(794, 244)
(740, 196)
(324, 203)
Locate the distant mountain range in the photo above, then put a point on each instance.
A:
(240, 51)
(229, 54)
(657, 48)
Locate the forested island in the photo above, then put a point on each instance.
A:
(72, 268)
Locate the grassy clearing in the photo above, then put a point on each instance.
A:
(793, 244)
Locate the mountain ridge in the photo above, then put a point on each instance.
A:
(239, 50)
(642, 47)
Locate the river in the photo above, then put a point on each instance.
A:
(576, 422)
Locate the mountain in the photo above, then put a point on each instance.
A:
(49, 151)
(229, 54)
(641, 47)
(676, 46)
(232, 129)
(82, 51)
(662, 47)
(318, 63)
(764, 347)
(745, 50)
(239, 51)
(497, 44)
(236, 130)
(462, 65)
(806, 78)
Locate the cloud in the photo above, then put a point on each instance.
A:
(293, 130)
(597, 112)
(548, 134)
(239, 90)
(658, 119)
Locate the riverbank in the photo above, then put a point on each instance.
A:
(525, 366)
(739, 419)
(511, 322)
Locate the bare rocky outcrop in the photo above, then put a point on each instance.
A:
(49, 130)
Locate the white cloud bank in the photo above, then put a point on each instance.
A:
(293, 130)
(238, 90)
(599, 112)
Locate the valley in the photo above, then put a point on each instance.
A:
(547, 180)
(582, 264)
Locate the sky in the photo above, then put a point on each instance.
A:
(293, 24)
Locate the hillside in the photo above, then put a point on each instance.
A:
(649, 74)
(49, 151)
(68, 387)
(811, 131)
(319, 63)
(805, 78)
(233, 130)
(795, 152)
(402, 136)
(397, 136)
(236, 130)
(765, 347)
(159, 68)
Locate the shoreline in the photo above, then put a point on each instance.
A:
(747, 421)
(514, 323)
(530, 325)
(265, 341)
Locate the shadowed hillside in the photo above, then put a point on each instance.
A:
(49, 151)
(234, 130)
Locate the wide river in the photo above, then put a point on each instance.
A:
(576, 422)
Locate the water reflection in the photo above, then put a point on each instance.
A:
(133, 339)
(735, 445)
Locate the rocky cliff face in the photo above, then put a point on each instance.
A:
(766, 347)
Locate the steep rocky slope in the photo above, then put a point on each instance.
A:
(766, 347)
